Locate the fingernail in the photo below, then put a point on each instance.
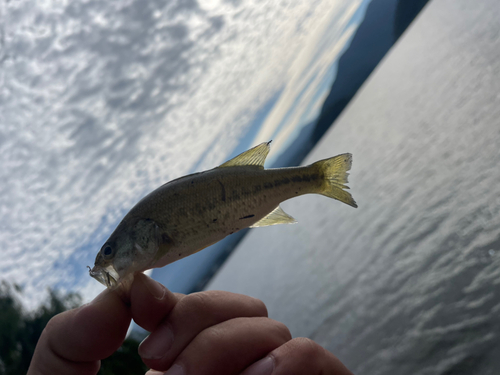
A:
(158, 343)
(157, 290)
(175, 370)
(263, 367)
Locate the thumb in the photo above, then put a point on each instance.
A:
(75, 341)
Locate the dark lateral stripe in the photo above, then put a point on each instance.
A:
(281, 182)
(246, 217)
(245, 191)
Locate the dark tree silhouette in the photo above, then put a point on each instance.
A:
(20, 331)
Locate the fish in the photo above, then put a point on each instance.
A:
(193, 212)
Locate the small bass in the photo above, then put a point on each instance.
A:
(190, 213)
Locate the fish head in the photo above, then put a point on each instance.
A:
(131, 248)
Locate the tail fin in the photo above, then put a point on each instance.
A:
(335, 176)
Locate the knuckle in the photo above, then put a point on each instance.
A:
(52, 330)
(308, 348)
(211, 302)
(212, 337)
(253, 306)
(282, 330)
(259, 306)
(52, 324)
(194, 303)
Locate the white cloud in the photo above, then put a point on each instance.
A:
(104, 101)
(309, 69)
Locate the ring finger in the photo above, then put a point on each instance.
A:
(229, 347)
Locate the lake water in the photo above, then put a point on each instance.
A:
(409, 282)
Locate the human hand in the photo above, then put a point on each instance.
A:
(203, 333)
(223, 333)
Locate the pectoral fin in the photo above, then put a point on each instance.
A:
(277, 216)
(255, 156)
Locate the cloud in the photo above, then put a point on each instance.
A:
(104, 101)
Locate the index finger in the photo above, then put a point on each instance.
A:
(74, 341)
(150, 302)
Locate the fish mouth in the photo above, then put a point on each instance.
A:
(106, 276)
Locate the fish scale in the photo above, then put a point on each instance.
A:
(190, 213)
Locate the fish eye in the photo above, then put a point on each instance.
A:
(107, 251)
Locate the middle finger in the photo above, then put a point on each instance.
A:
(190, 316)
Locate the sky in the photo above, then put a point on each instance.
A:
(101, 102)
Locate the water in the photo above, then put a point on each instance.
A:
(409, 282)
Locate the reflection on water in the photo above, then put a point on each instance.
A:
(409, 282)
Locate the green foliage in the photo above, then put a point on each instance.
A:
(124, 361)
(20, 331)
(10, 324)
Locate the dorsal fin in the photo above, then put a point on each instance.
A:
(255, 156)
(277, 216)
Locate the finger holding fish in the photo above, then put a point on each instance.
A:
(150, 302)
(224, 333)
(191, 317)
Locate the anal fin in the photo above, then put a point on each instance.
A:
(277, 216)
